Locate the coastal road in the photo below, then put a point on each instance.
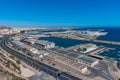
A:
(52, 71)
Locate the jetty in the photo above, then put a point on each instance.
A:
(107, 42)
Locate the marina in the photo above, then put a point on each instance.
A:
(69, 54)
(66, 43)
(60, 40)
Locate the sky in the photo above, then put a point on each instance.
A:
(60, 12)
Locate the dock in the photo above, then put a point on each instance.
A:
(100, 41)
(94, 53)
(107, 42)
(95, 40)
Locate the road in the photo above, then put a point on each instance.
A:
(52, 71)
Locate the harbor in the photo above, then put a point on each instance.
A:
(65, 52)
(63, 42)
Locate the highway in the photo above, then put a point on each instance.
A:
(50, 70)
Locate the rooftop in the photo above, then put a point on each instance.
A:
(74, 55)
(87, 45)
(88, 59)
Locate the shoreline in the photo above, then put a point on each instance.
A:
(78, 40)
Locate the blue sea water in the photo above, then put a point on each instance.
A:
(113, 35)
(63, 42)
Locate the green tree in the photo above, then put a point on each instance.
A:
(12, 57)
(18, 61)
(84, 49)
(53, 64)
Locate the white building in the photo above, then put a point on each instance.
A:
(46, 44)
(7, 31)
(88, 47)
(93, 33)
(43, 53)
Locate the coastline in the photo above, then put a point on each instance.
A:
(83, 41)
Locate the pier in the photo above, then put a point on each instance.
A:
(99, 41)
(95, 40)
(107, 42)
(94, 53)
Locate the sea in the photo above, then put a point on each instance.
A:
(113, 35)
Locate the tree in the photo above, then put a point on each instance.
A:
(18, 61)
(53, 64)
(12, 57)
(84, 49)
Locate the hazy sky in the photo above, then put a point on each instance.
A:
(60, 12)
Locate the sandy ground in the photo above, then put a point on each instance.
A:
(42, 76)
(26, 72)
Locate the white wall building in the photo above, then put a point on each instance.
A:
(88, 47)
(42, 53)
(46, 44)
